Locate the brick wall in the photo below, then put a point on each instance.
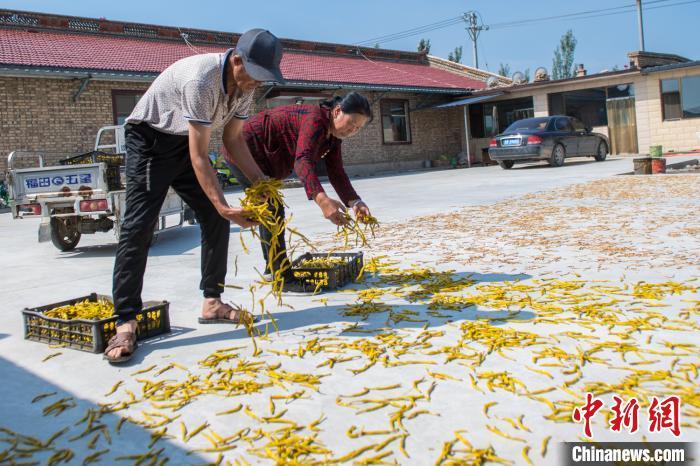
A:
(38, 114)
(433, 133)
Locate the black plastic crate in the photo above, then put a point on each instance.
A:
(114, 166)
(95, 156)
(329, 278)
(91, 335)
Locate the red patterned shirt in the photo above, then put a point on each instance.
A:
(295, 138)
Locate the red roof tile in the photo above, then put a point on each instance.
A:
(100, 52)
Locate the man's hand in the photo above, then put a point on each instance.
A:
(333, 210)
(237, 215)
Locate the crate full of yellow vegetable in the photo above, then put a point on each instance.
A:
(320, 271)
(88, 322)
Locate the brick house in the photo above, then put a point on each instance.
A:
(62, 78)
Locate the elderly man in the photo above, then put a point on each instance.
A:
(167, 139)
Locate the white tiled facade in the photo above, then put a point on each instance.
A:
(674, 136)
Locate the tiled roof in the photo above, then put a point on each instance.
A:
(51, 49)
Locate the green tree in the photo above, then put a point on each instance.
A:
(504, 69)
(527, 74)
(424, 45)
(376, 45)
(563, 62)
(456, 55)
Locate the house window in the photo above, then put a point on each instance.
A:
(680, 98)
(396, 128)
(123, 102)
(690, 96)
(588, 105)
(671, 99)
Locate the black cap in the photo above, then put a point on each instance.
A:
(261, 52)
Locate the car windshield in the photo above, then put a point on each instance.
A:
(528, 124)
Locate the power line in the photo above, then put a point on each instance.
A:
(457, 20)
(526, 22)
(414, 31)
(570, 15)
(589, 16)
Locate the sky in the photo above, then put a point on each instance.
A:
(603, 41)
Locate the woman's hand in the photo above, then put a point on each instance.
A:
(333, 210)
(361, 210)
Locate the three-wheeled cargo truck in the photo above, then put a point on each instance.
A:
(83, 195)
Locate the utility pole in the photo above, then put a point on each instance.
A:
(641, 24)
(474, 29)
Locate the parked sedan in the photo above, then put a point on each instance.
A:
(550, 138)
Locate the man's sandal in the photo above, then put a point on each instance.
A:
(228, 320)
(126, 340)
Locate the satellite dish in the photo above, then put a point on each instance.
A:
(492, 81)
(518, 77)
(541, 74)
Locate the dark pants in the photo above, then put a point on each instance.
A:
(156, 161)
(266, 236)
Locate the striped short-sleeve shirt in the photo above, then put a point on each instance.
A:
(191, 90)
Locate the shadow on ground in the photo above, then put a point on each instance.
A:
(177, 242)
(374, 321)
(19, 387)
(544, 164)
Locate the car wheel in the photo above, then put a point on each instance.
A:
(601, 152)
(558, 156)
(506, 164)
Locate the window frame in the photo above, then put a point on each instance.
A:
(679, 81)
(405, 103)
(661, 99)
(123, 92)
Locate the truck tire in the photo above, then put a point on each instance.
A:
(64, 233)
(506, 164)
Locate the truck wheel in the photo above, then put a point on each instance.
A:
(506, 164)
(64, 233)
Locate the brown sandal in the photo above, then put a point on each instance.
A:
(126, 340)
(232, 310)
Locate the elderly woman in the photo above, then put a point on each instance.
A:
(294, 138)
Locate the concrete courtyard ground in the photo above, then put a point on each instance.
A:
(493, 301)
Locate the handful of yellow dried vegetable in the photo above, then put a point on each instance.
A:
(321, 263)
(357, 229)
(88, 310)
(262, 201)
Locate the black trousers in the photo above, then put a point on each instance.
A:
(156, 161)
(266, 236)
